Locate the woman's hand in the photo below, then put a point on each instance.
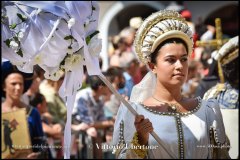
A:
(143, 127)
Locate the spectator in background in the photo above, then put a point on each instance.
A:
(120, 47)
(204, 32)
(208, 81)
(190, 85)
(52, 131)
(56, 105)
(115, 76)
(128, 34)
(88, 110)
(13, 87)
(131, 66)
(34, 88)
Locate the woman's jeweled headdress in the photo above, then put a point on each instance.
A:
(159, 27)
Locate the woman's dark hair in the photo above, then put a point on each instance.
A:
(168, 41)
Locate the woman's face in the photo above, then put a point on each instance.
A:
(172, 64)
(14, 86)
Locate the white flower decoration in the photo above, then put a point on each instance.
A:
(20, 35)
(38, 59)
(71, 22)
(95, 46)
(72, 62)
(13, 45)
(55, 76)
(68, 63)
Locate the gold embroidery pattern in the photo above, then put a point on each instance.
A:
(140, 150)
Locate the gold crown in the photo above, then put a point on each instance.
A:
(159, 27)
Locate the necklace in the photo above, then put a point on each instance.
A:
(173, 107)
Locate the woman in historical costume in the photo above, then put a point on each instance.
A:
(187, 127)
(14, 83)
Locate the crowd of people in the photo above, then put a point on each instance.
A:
(176, 73)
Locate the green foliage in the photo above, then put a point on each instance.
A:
(13, 26)
(19, 52)
(68, 37)
(7, 42)
(88, 38)
(21, 17)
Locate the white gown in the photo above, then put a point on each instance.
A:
(193, 142)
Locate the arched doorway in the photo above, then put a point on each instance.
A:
(118, 16)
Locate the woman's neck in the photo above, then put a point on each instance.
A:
(172, 94)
